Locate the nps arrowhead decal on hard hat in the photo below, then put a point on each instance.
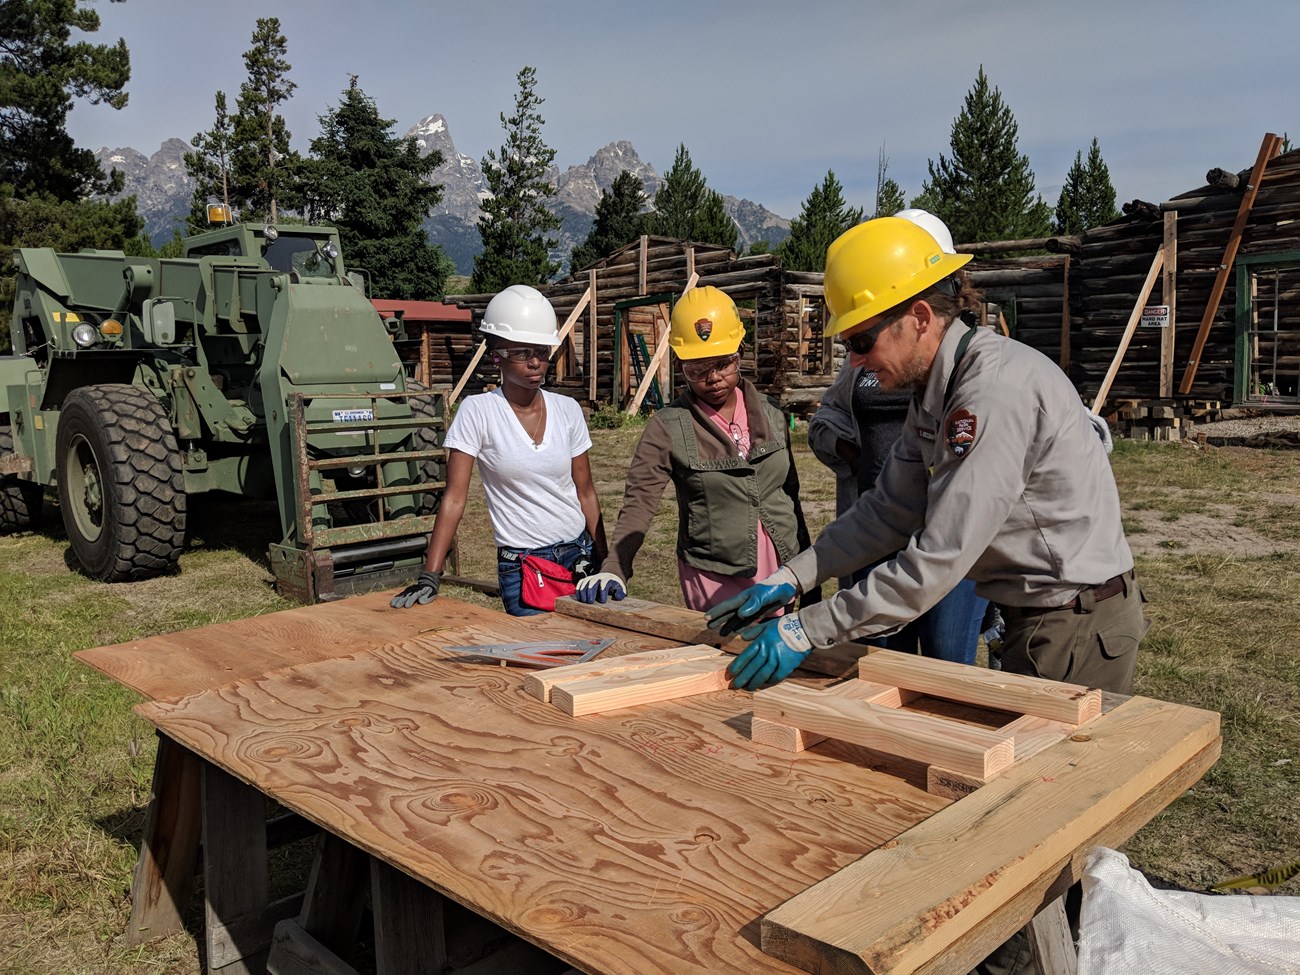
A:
(959, 430)
(704, 328)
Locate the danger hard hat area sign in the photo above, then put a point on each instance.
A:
(1154, 316)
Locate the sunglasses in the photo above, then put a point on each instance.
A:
(524, 355)
(864, 342)
(696, 371)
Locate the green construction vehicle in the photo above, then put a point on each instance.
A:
(253, 365)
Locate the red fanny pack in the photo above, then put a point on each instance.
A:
(543, 581)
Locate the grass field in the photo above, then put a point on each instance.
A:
(1216, 533)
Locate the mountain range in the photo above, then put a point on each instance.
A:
(163, 188)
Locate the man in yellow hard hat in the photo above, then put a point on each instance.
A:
(726, 449)
(999, 476)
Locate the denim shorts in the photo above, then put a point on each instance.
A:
(511, 580)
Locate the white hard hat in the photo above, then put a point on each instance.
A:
(932, 225)
(521, 314)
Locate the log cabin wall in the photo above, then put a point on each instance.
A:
(1107, 274)
(780, 347)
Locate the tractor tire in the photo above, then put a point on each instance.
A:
(121, 486)
(427, 438)
(20, 500)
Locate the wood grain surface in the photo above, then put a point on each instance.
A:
(645, 840)
(879, 917)
(173, 665)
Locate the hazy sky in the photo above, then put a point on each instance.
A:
(766, 95)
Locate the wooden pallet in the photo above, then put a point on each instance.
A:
(960, 756)
(1162, 419)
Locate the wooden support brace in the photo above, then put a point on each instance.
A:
(1072, 703)
(1029, 734)
(469, 371)
(164, 871)
(1129, 329)
(1267, 150)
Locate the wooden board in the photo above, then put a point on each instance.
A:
(920, 737)
(172, 665)
(898, 909)
(672, 680)
(687, 626)
(648, 841)
(1056, 700)
(539, 684)
(791, 739)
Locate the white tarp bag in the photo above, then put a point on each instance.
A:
(1127, 927)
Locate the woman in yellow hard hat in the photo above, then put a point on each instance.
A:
(726, 450)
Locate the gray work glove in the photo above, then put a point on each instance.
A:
(600, 587)
(422, 591)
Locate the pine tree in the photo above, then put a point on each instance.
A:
(262, 165)
(619, 221)
(516, 219)
(889, 195)
(41, 73)
(823, 217)
(686, 208)
(209, 165)
(986, 190)
(374, 187)
(1087, 199)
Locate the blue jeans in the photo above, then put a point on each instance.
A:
(949, 631)
(510, 579)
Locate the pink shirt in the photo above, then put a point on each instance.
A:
(701, 588)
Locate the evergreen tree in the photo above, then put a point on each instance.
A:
(889, 195)
(619, 221)
(1087, 199)
(516, 220)
(209, 165)
(986, 190)
(686, 208)
(41, 73)
(261, 163)
(375, 188)
(823, 217)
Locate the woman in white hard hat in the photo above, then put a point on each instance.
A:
(532, 451)
(852, 433)
(726, 450)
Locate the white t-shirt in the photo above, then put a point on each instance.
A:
(531, 497)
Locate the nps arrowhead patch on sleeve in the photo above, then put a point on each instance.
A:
(959, 431)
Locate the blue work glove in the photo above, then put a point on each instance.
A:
(600, 587)
(421, 591)
(741, 610)
(776, 648)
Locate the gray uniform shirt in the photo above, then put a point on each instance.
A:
(1006, 483)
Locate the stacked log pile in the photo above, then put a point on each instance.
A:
(1161, 419)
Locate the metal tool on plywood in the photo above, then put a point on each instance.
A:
(538, 653)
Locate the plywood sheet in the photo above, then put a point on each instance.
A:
(646, 840)
(173, 665)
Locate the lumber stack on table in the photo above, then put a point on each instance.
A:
(688, 626)
(961, 755)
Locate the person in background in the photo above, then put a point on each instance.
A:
(726, 450)
(998, 475)
(532, 450)
(852, 432)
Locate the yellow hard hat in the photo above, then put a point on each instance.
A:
(876, 265)
(705, 324)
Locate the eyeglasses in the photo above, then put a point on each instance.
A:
(698, 370)
(524, 355)
(864, 342)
